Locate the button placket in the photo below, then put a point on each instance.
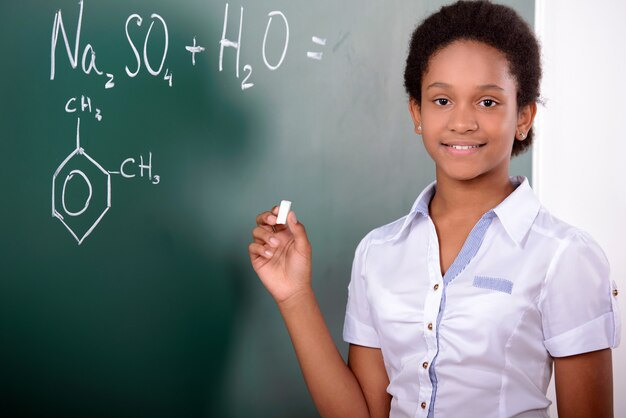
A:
(433, 299)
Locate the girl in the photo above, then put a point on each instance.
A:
(460, 308)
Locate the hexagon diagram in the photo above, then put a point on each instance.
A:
(81, 193)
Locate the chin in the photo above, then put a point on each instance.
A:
(463, 173)
(472, 170)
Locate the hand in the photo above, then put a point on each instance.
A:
(281, 259)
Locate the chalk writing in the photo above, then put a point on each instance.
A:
(78, 162)
(100, 175)
(316, 55)
(194, 49)
(81, 187)
(138, 42)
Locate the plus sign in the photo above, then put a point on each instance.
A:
(194, 50)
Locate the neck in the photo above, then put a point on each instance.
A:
(469, 198)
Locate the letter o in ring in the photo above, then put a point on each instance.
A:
(68, 178)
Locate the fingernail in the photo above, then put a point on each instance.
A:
(268, 253)
(295, 218)
(271, 218)
(274, 242)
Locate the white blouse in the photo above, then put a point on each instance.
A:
(479, 341)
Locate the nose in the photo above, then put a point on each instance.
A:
(462, 119)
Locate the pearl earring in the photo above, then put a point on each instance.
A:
(522, 135)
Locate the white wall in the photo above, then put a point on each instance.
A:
(578, 157)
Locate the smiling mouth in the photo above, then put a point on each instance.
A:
(464, 147)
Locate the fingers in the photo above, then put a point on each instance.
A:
(263, 236)
(302, 243)
(267, 239)
(267, 220)
(259, 250)
(270, 245)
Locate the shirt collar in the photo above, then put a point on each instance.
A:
(419, 207)
(423, 201)
(516, 213)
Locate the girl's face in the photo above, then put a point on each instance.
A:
(468, 117)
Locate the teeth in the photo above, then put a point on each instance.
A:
(464, 146)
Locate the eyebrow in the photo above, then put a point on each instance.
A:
(482, 87)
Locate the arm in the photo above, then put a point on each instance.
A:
(338, 390)
(584, 385)
(368, 366)
(282, 260)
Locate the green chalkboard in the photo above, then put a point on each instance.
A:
(128, 198)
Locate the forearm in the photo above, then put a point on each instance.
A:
(333, 387)
(584, 385)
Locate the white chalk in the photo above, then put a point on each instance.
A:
(285, 206)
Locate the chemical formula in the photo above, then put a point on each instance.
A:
(143, 61)
(81, 214)
(81, 187)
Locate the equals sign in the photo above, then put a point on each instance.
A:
(316, 55)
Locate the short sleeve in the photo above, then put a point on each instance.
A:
(578, 308)
(358, 326)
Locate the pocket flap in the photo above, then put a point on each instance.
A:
(493, 283)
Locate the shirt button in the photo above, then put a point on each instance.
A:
(436, 286)
(615, 292)
(423, 405)
(425, 364)
(430, 326)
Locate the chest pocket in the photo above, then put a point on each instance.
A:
(493, 283)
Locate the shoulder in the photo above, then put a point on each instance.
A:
(385, 233)
(393, 230)
(566, 235)
(577, 306)
(576, 261)
(382, 241)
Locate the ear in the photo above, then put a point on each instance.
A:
(416, 115)
(525, 118)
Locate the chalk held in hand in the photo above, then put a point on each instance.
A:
(283, 211)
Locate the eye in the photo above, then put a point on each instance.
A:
(441, 102)
(488, 103)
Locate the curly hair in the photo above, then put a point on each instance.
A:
(492, 24)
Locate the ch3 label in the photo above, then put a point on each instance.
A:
(130, 167)
(82, 105)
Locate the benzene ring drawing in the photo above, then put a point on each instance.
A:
(90, 210)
